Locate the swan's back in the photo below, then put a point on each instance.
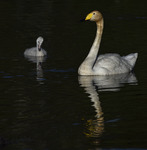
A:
(114, 64)
(131, 59)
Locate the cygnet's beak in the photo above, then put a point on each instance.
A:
(39, 47)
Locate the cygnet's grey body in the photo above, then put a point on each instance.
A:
(36, 51)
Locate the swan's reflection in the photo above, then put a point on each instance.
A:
(93, 84)
(113, 82)
(38, 60)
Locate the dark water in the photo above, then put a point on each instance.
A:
(47, 105)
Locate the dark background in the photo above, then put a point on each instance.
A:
(55, 112)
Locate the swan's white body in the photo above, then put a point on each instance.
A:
(36, 51)
(106, 64)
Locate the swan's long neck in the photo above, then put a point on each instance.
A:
(96, 44)
(87, 65)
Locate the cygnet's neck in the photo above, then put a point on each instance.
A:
(38, 49)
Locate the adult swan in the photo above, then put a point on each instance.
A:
(107, 64)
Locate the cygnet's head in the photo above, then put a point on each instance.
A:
(94, 16)
(39, 41)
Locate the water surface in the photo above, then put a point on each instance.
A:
(44, 104)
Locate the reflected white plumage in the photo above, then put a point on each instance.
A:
(92, 85)
(106, 64)
(36, 51)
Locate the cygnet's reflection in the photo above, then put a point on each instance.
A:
(38, 60)
(93, 84)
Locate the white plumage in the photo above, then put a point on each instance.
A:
(106, 64)
(36, 51)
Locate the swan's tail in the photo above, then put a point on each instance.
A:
(131, 59)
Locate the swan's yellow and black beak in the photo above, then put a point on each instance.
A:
(89, 16)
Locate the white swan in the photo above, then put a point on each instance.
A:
(106, 64)
(36, 51)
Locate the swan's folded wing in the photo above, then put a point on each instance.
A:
(110, 64)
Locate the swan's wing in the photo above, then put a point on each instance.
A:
(111, 64)
(131, 58)
(109, 61)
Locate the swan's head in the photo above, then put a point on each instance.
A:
(94, 16)
(39, 41)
